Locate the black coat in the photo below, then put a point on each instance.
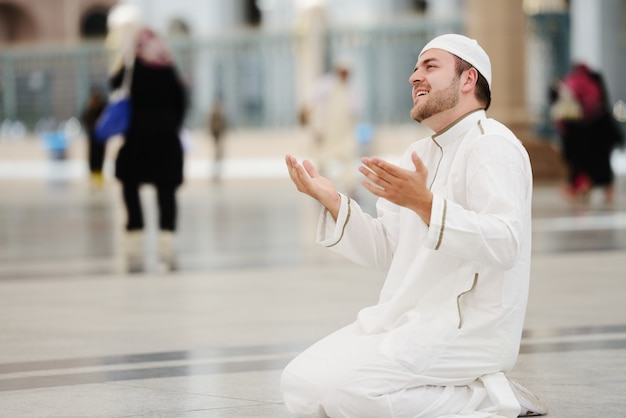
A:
(588, 143)
(152, 151)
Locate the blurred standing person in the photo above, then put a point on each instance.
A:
(96, 149)
(589, 134)
(152, 152)
(332, 114)
(218, 123)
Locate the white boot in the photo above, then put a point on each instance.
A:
(167, 254)
(133, 250)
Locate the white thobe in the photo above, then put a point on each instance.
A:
(451, 311)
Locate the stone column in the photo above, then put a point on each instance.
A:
(500, 27)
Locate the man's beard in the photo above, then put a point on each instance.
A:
(437, 102)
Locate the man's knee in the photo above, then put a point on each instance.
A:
(300, 392)
(321, 392)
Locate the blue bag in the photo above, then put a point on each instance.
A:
(114, 119)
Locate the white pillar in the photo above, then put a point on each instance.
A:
(443, 9)
(276, 13)
(310, 27)
(586, 32)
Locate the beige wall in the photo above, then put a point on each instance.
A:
(500, 27)
(58, 20)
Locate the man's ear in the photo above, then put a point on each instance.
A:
(469, 79)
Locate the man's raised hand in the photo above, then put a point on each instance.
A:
(401, 186)
(308, 181)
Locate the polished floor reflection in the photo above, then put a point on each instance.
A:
(80, 337)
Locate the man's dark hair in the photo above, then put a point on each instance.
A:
(482, 92)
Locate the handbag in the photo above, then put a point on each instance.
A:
(115, 117)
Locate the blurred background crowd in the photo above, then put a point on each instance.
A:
(257, 65)
(261, 57)
(264, 66)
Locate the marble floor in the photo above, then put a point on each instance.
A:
(81, 338)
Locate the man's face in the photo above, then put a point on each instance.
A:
(435, 84)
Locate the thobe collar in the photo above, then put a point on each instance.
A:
(458, 128)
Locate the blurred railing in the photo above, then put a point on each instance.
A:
(40, 84)
(254, 72)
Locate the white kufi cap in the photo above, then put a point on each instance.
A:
(465, 48)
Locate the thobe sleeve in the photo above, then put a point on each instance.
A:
(357, 236)
(489, 227)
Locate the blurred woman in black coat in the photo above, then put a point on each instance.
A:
(152, 152)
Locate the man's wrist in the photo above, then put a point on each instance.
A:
(334, 205)
(425, 208)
